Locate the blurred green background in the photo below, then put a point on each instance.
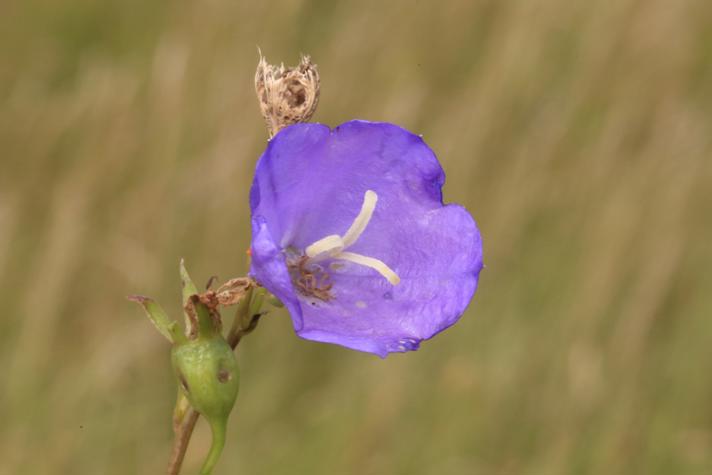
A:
(578, 133)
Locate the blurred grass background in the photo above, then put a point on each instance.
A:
(578, 134)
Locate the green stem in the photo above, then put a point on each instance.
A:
(241, 319)
(218, 429)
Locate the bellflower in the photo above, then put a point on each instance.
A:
(350, 232)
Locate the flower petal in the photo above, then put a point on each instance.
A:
(438, 280)
(310, 183)
(269, 268)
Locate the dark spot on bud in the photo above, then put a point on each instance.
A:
(224, 376)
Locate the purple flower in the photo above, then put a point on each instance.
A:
(351, 234)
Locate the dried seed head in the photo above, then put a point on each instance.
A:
(286, 95)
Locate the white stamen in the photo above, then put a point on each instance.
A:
(325, 247)
(333, 246)
(361, 221)
(371, 262)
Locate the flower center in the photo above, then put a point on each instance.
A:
(334, 246)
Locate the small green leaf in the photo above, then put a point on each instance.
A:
(167, 327)
(274, 301)
(258, 298)
(200, 321)
(189, 288)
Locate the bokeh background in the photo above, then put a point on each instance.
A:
(578, 133)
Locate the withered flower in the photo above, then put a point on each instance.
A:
(286, 95)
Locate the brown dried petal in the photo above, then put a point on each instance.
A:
(286, 95)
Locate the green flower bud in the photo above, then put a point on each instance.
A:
(203, 361)
(206, 367)
(209, 377)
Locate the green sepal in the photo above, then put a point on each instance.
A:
(167, 327)
(199, 321)
(258, 298)
(274, 301)
(189, 288)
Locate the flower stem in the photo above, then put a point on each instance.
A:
(218, 431)
(247, 316)
(180, 442)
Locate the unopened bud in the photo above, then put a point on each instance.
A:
(208, 375)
